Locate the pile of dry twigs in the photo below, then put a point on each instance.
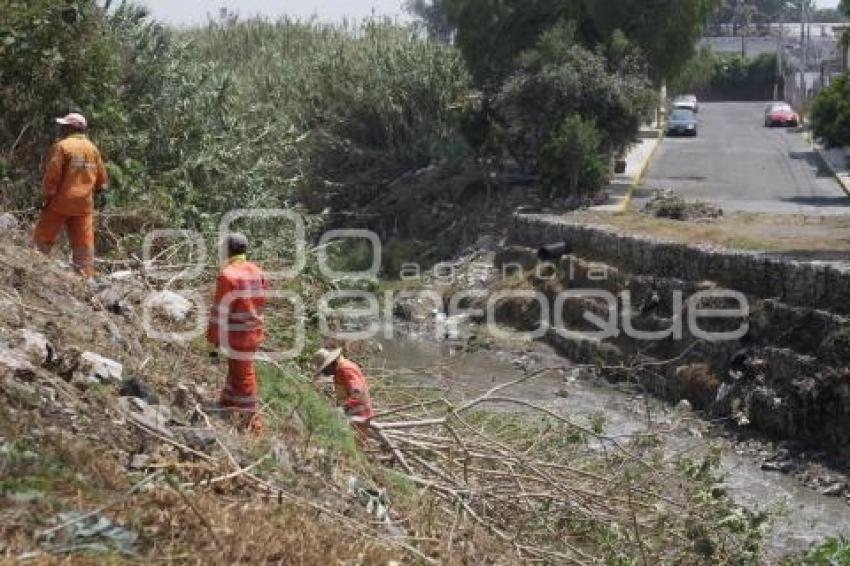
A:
(558, 491)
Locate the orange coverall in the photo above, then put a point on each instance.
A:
(352, 392)
(236, 325)
(73, 172)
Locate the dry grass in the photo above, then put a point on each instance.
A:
(249, 532)
(781, 233)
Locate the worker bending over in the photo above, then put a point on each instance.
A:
(352, 389)
(73, 173)
(236, 326)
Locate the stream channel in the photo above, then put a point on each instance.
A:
(807, 517)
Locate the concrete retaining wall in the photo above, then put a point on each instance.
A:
(819, 285)
(788, 377)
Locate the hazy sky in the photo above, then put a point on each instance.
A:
(193, 11)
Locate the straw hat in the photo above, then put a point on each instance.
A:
(324, 357)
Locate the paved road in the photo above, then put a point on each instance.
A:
(742, 165)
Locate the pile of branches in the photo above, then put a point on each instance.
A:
(553, 489)
(669, 204)
(548, 488)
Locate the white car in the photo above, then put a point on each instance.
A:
(686, 102)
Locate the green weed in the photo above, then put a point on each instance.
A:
(287, 395)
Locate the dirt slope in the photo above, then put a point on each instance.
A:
(131, 449)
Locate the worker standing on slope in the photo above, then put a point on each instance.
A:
(73, 173)
(236, 326)
(352, 389)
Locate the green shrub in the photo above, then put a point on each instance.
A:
(573, 161)
(397, 253)
(727, 76)
(831, 112)
(374, 98)
(832, 551)
(54, 58)
(696, 75)
(558, 79)
(235, 114)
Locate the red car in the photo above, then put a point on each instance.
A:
(780, 114)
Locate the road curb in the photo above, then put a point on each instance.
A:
(648, 159)
(627, 200)
(842, 178)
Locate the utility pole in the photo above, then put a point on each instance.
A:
(780, 74)
(803, 50)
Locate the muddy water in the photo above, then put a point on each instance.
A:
(807, 518)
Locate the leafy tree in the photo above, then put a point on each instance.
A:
(560, 78)
(696, 77)
(433, 15)
(54, 58)
(573, 161)
(831, 112)
(492, 33)
(740, 78)
(742, 13)
(830, 15)
(728, 76)
(665, 31)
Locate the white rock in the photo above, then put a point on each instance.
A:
(684, 406)
(113, 297)
(175, 307)
(164, 412)
(282, 456)
(8, 222)
(149, 416)
(453, 326)
(104, 369)
(199, 391)
(741, 419)
(138, 405)
(140, 461)
(35, 346)
(121, 275)
(14, 359)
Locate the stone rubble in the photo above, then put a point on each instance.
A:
(94, 367)
(8, 222)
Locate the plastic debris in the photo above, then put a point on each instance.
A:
(82, 532)
(375, 501)
(175, 307)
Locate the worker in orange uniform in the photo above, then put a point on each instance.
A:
(73, 173)
(352, 389)
(236, 327)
